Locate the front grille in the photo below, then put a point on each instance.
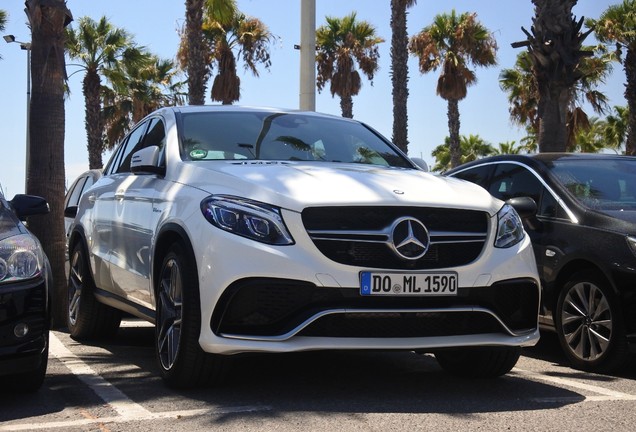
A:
(274, 307)
(360, 236)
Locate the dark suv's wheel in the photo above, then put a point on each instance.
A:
(479, 362)
(589, 324)
(87, 318)
(181, 360)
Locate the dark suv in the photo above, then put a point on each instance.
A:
(584, 239)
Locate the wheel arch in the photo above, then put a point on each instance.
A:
(168, 235)
(570, 269)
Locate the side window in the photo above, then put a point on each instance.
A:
(75, 192)
(156, 136)
(134, 143)
(477, 175)
(511, 181)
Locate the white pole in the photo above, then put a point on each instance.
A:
(308, 55)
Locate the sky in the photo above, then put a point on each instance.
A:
(155, 24)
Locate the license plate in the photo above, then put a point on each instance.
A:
(408, 284)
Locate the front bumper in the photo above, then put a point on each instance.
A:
(261, 298)
(23, 303)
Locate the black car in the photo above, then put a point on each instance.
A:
(25, 279)
(584, 239)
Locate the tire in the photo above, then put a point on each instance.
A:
(182, 362)
(87, 318)
(589, 324)
(478, 362)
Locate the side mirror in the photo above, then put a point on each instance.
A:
(70, 211)
(420, 163)
(146, 160)
(526, 207)
(29, 205)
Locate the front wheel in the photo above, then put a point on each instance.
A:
(479, 362)
(589, 324)
(181, 360)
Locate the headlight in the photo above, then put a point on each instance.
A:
(509, 228)
(20, 258)
(247, 218)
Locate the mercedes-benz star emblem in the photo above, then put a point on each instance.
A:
(409, 238)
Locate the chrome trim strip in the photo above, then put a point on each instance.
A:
(337, 236)
(316, 317)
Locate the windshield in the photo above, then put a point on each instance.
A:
(601, 184)
(282, 136)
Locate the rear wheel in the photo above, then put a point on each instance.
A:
(479, 362)
(589, 324)
(87, 318)
(181, 360)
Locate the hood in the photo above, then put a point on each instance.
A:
(296, 185)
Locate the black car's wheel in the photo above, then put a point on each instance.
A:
(31, 381)
(478, 362)
(589, 324)
(87, 318)
(181, 360)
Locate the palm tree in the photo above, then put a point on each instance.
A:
(508, 147)
(194, 51)
(452, 43)
(591, 139)
(617, 25)
(249, 38)
(400, 71)
(555, 47)
(523, 94)
(615, 132)
(472, 147)
(135, 92)
(196, 68)
(97, 46)
(47, 21)
(342, 44)
(3, 22)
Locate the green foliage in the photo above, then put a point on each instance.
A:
(344, 46)
(472, 147)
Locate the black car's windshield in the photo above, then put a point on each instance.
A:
(282, 136)
(602, 184)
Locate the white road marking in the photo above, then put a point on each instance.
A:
(126, 409)
(106, 391)
(606, 394)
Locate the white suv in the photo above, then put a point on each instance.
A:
(241, 230)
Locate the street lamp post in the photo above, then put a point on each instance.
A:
(26, 46)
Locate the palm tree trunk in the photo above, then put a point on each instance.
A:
(399, 73)
(46, 165)
(553, 134)
(453, 129)
(196, 56)
(346, 105)
(94, 122)
(630, 95)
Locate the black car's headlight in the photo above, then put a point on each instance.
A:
(509, 227)
(247, 218)
(21, 258)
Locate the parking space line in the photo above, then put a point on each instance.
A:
(605, 393)
(110, 394)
